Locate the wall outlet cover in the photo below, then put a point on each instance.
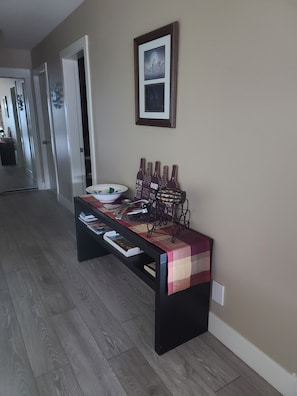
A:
(218, 292)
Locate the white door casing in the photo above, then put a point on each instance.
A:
(46, 132)
(74, 126)
(72, 106)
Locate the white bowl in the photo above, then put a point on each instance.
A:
(106, 193)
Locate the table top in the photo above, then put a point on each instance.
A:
(189, 256)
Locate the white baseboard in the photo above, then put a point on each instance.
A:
(272, 372)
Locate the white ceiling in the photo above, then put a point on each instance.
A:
(24, 23)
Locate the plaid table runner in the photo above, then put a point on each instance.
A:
(188, 257)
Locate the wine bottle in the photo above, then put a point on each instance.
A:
(145, 194)
(164, 177)
(155, 181)
(172, 183)
(139, 179)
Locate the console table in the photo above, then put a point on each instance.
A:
(7, 152)
(179, 316)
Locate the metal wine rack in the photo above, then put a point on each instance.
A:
(171, 207)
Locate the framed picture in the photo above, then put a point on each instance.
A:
(155, 61)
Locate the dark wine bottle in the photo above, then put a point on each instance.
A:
(155, 181)
(147, 181)
(139, 179)
(172, 183)
(164, 177)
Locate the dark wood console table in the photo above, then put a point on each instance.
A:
(7, 152)
(179, 316)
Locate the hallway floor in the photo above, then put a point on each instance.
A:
(14, 177)
(86, 329)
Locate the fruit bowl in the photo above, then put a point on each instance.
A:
(106, 193)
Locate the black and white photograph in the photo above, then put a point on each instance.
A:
(155, 57)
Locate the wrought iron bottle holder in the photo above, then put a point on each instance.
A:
(171, 207)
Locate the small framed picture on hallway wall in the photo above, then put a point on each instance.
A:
(155, 63)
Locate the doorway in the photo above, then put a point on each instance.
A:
(79, 119)
(17, 170)
(85, 121)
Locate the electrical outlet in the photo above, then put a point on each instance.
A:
(218, 292)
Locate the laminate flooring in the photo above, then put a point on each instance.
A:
(15, 178)
(87, 329)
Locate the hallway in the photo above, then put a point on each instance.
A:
(86, 329)
(14, 178)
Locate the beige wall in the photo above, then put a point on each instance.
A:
(235, 140)
(15, 58)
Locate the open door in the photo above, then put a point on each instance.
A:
(47, 142)
(79, 120)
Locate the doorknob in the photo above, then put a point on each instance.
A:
(81, 150)
(46, 142)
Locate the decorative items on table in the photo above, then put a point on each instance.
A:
(155, 182)
(132, 209)
(167, 204)
(164, 177)
(107, 193)
(146, 186)
(172, 183)
(139, 179)
(171, 207)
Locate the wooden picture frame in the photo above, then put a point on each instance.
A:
(155, 64)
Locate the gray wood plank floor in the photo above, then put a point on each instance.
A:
(86, 329)
(15, 177)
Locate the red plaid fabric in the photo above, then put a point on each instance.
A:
(188, 257)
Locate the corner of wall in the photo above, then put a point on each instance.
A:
(272, 372)
(65, 202)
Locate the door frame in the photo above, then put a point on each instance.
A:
(43, 69)
(69, 58)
